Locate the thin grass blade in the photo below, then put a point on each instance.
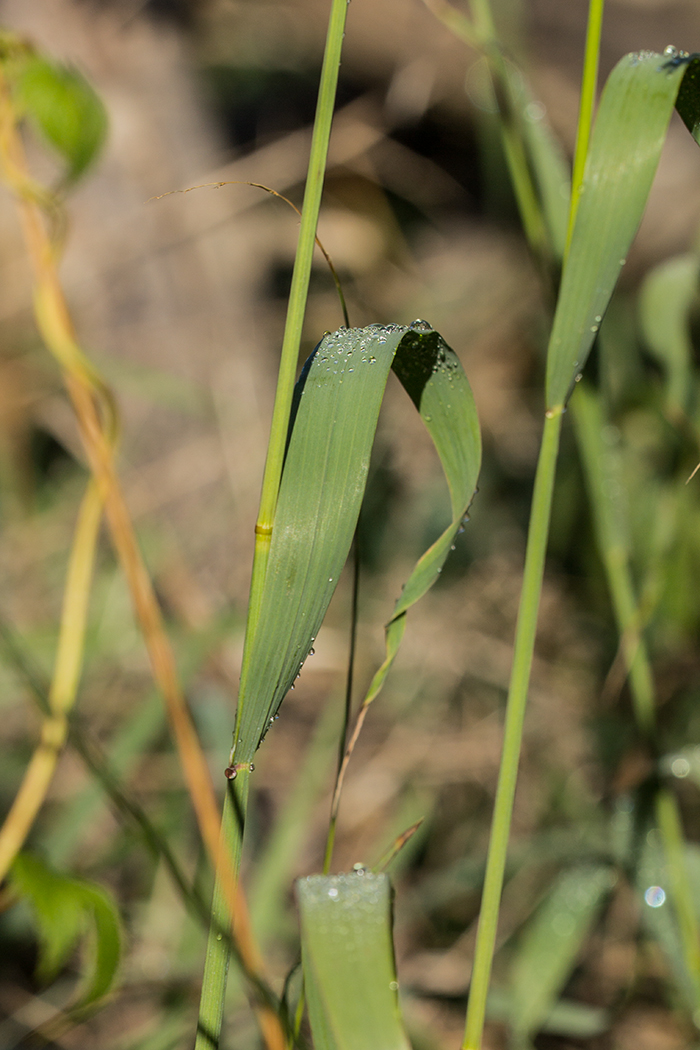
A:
(551, 942)
(665, 300)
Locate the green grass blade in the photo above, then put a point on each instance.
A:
(665, 300)
(603, 471)
(629, 132)
(348, 961)
(655, 876)
(337, 406)
(551, 174)
(551, 942)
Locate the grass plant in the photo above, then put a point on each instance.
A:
(316, 474)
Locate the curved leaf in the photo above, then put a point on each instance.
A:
(629, 132)
(337, 404)
(348, 960)
(65, 910)
(65, 109)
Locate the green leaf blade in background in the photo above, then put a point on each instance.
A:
(628, 135)
(348, 961)
(336, 410)
(665, 299)
(65, 110)
(65, 910)
(551, 942)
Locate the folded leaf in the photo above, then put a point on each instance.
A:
(65, 910)
(65, 109)
(337, 404)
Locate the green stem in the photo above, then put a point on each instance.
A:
(589, 84)
(297, 305)
(211, 1006)
(509, 110)
(216, 965)
(538, 533)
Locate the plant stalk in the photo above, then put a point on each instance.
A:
(538, 533)
(216, 965)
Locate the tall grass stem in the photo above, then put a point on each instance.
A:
(216, 964)
(589, 84)
(538, 533)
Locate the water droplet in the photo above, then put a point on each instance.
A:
(453, 547)
(333, 892)
(428, 419)
(535, 111)
(252, 768)
(330, 579)
(578, 378)
(594, 327)
(680, 767)
(394, 986)
(312, 652)
(598, 318)
(292, 686)
(670, 51)
(655, 896)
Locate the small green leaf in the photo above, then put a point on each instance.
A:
(665, 299)
(65, 109)
(629, 132)
(66, 909)
(337, 404)
(348, 960)
(551, 942)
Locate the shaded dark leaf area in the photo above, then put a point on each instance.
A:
(181, 302)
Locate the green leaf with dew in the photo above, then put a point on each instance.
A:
(335, 414)
(66, 911)
(626, 143)
(66, 111)
(348, 961)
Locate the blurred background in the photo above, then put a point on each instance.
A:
(181, 301)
